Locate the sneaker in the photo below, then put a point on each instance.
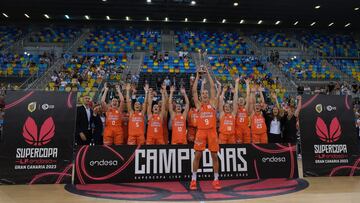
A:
(193, 185)
(216, 184)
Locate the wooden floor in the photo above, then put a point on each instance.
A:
(324, 189)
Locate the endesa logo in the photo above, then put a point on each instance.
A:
(326, 135)
(273, 159)
(104, 163)
(33, 137)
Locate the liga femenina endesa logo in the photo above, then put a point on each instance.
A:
(35, 138)
(331, 134)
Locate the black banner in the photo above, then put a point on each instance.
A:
(104, 164)
(37, 145)
(328, 136)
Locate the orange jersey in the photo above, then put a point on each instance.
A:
(192, 117)
(258, 125)
(155, 125)
(179, 126)
(136, 124)
(207, 117)
(113, 117)
(227, 124)
(242, 118)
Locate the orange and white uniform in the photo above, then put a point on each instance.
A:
(191, 119)
(113, 133)
(258, 129)
(179, 130)
(125, 126)
(227, 129)
(136, 129)
(243, 135)
(155, 133)
(206, 132)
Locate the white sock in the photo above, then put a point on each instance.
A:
(216, 176)
(193, 177)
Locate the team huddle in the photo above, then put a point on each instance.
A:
(241, 119)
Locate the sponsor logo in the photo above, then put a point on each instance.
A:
(35, 138)
(326, 135)
(32, 107)
(330, 108)
(319, 108)
(104, 163)
(47, 106)
(273, 159)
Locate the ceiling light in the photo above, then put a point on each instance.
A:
(236, 3)
(147, 19)
(166, 19)
(193, 3)
(347, 25)
(186, 19)
(356, 9)
(47, 16)
(317, 7)
(127, 18)
(107, 17)
(204, 20)
(297, 22)
(87, 17)
(4, 14)
(104, 0)
(224, 21)
(67, 17)
(278, 22)
(331, 24)
(313, 23)
(148, 1)
(242, 21)
(26, 15)
(260, 21)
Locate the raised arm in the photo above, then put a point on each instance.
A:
(163, 103)
(187, 103)
(195, 93)
(121, 98)
(203, 83)
(149, 105)
(298, 108)
(128, 99)
(274, 97)
(236, 96)
(221, 100)
(171, 109)
(103, 98)
(247, 97)
(146, 88)
(213, 98)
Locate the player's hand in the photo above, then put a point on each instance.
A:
(247, 81)
(128, 87)
(183, 91)
(172, 89)
(117, 87)
(298, 97)
(146, 87)
(237, 80)
(225, 88)
(163, 86)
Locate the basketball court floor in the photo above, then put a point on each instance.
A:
(313, 189)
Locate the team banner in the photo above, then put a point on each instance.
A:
(328, 136)
(37, 146)
(111, 164)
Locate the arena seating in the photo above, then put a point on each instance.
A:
(172, 65)
(226, 68)
(85, 73)
(214, 42)
(331, 44)
(19, 65)
(314, 69)
(9, 35)
(114, 40)
(55, 35)
(350, 67)
(272, 39)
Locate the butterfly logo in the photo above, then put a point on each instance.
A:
(31, 135)
(325, 134)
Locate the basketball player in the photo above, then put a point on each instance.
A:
(227, 116)
(113, 133)
(257, 120)
(242, 118)
(136, 118)
(178, 118)
(206, 133)
(155, 135)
